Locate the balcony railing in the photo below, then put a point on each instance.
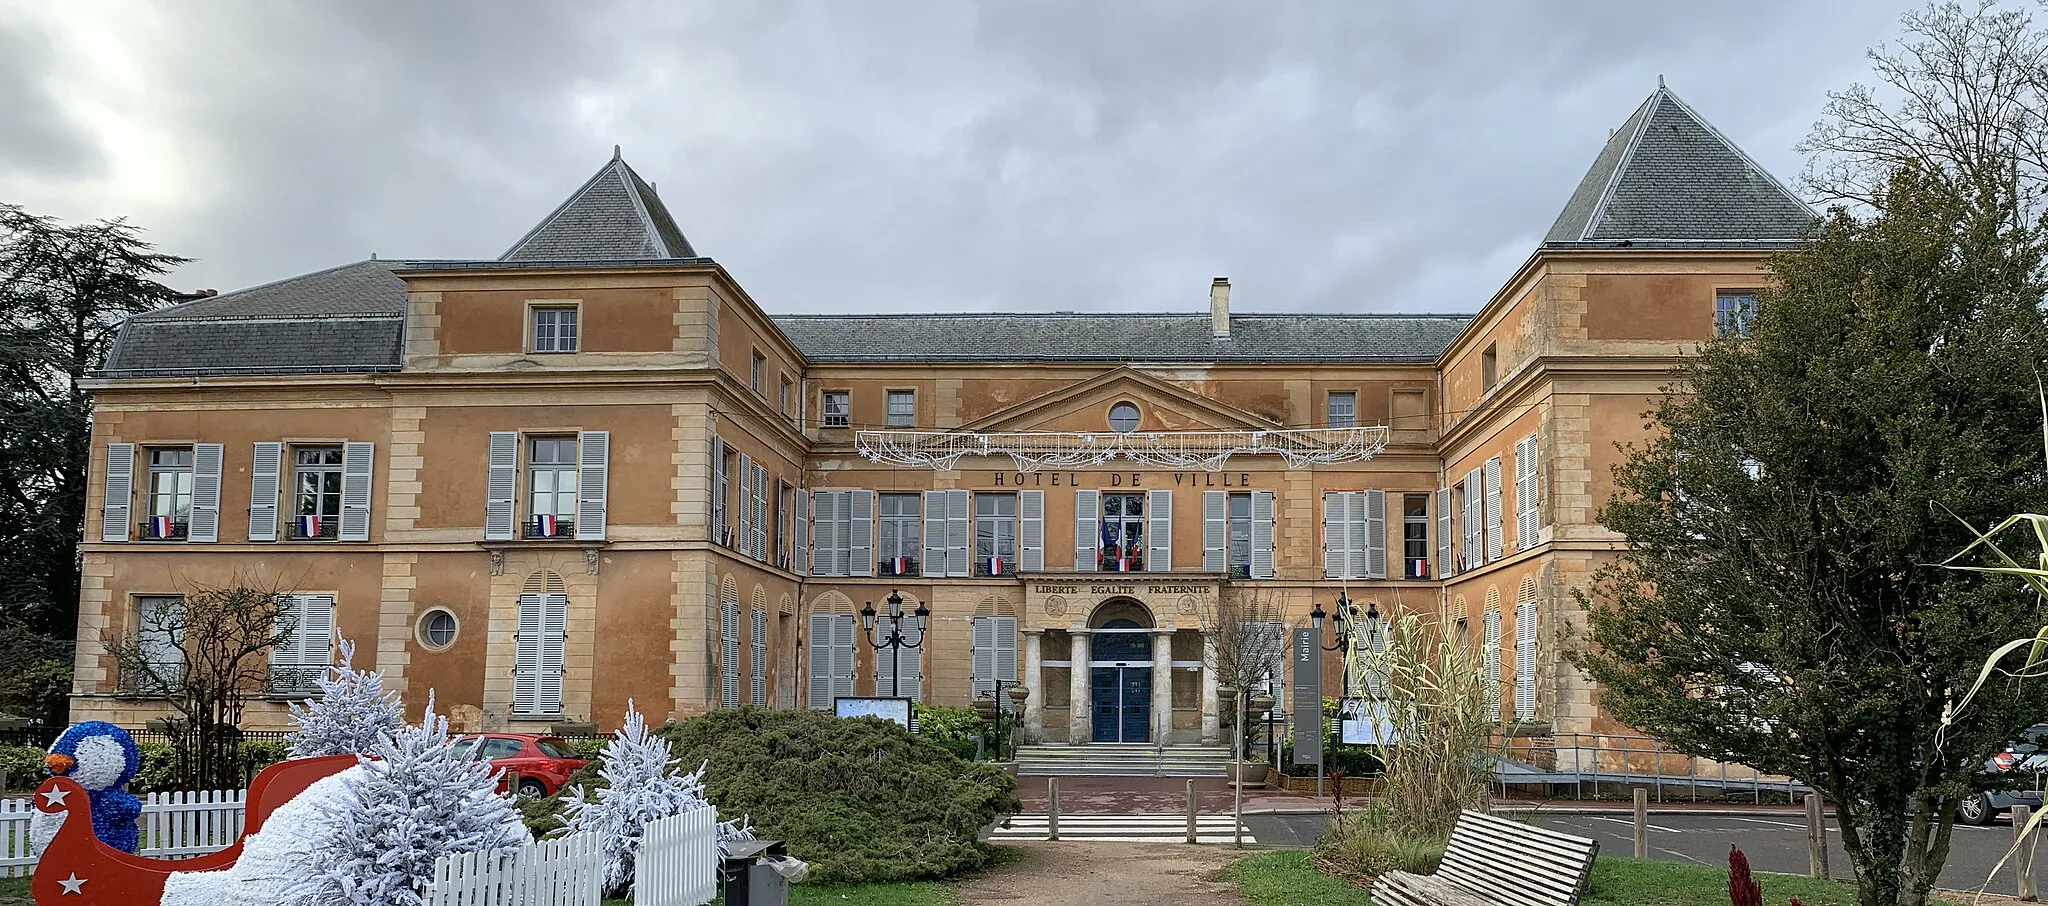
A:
(326, 528)
(295, 681)
(152, 529)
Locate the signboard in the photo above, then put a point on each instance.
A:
(896, 709)
(1364, 722)
(1306, 653)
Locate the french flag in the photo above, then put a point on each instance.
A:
(1419, 569)
(1123, 564)
(995, 566)
(160, 526)
(899, 566)
(309, 526)
(545, 525)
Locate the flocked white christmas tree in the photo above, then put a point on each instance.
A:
(643, 786)
(420, 799)
(352, 710)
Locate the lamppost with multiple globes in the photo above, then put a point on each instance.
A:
(1346, 620)
(896, 640)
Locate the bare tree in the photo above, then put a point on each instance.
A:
(1249, 643)
(204, 653)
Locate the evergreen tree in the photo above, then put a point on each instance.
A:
(352, 711)
(641, 786)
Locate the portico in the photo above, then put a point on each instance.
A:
(1134, 666)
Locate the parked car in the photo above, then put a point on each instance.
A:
(541, 764)
(2029, 753)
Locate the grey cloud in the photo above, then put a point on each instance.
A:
(38, 136)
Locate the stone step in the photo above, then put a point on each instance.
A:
(1123, 760)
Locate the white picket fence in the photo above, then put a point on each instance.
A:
(173, 825)
(677, 864)
(564, 872)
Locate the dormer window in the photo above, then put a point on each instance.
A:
(554, 329)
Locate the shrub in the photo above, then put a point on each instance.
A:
(1363, 845)
(959, 730)
(21, 767)
(862, 799)
(159, 770)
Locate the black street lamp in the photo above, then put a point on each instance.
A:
(896, 640)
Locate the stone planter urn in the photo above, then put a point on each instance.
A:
(1258, 706)
(1250, 775)
(985, 705)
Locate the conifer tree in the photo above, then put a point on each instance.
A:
(352, 710)
(641, 786)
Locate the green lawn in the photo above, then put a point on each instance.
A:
(1285, 878)
(14, 892)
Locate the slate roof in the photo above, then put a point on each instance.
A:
(1120, 337)
(1669, 178)
(347, 318)
(614, 216)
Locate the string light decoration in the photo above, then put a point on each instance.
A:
(1206, 450)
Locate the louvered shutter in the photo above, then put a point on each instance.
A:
(295, 664)
(1376, 676)
(1527, 526)
(1006, 648)
(908, 660)
(1336, 535)
(1490, 661)
(1262, 534)
(1159, 531)
(760, 660)
(983, 638)
(860, 536)
(802, 546)
(743, 537)
(358, 460)
(718, 490)
(819, 694)
(959, 534)
(502, 486)
(1087, 531)
(760, 541)
(1494, 517)
(1031, 531)
(118, 493)
(934, 503)
(1215, 531)
(206, 463)
(554, 644)
(593, 475)
(1525, 660)
(266, 465)
(1370, 559)
(729, 654)
(526, 655)
(842, 655)
(1446, 565)
(1472, 518)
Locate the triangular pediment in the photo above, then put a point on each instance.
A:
(1085, 407)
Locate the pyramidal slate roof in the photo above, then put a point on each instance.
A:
(1071, 337)
(615, 216)
(1669, 178)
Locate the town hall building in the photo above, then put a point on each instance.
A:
(595, 469)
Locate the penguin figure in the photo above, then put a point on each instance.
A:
(102, 758)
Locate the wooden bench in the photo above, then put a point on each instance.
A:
(1496, 861)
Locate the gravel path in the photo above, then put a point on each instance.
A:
(1111, 874)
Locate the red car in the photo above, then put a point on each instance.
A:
(541, 763)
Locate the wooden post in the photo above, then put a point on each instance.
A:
(1816, 838)
(2024, 866)
(1191, 811)
(1642, 823)
(1052, 808)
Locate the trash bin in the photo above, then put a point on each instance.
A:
(757, 873)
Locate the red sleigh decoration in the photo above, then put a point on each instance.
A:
(78, 870)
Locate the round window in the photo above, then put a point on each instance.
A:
(437, 629)
(1124, 417)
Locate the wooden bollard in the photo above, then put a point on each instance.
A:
(1642, 823)
(2023, 866)
(1052, 808)
(1816, 837)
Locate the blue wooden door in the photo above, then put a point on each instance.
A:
(1122, 704)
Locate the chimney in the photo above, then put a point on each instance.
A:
(1219, 307)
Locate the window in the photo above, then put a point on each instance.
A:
(831, 659)
(1343, 408)
(316, 493)
(302, 658)
(782, 398)
(554, 330)
(896, 536)
(555, 748)
(995, 534)
(754, 377)
(1123, 531)
(1415, 536)
(501, 748)
(551, 486)
(1123, 417)
(1268, 639)
(1240, 528)
(834, 409)
(902, 408)
(437, 629)
(537, 654)
(1489, 368)
(1733, 313)
(159, 630)
(170, 493)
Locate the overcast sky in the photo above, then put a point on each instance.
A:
(1343, 156)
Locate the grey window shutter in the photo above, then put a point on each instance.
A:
(742, 537)
(1528, 528)
(526, 655)
(819, 694)
(860, 534)
(1489, 658)
(718, 488)
(842, 655)
(502, 485)
(729, 653)
(801, 550)
(266, 466)
(1445, 565)
(1336, 535)
(828, 531)
(1525, 660)
(1006, 648)
(1159, 531)
(206, 463)
(118, 493)
(553, 647)
(908, 685)
(1031, 531)
(760, 659)
(593, 474)
(1262, 534)
(1087, 531)
(934, 503)
(1374, 539)
(358, 460)
(1494, 517)
(983, 638)
(1472, 515)
(760, 504)
(1215, 531)
(959, 533)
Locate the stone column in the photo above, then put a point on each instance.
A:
(1034, 683)
(1081, 707)
(1212, 721)
(1162, 686)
